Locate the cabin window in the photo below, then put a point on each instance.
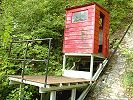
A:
(80, 16)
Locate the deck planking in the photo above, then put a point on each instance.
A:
(50, 79)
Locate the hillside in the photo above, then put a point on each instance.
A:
(116, 81)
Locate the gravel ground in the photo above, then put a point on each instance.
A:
(109, 86)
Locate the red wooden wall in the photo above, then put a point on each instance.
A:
(98, 10)
(82, 37)
(78, 37)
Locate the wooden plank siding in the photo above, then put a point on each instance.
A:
(79, 36)
(96, 30)
(83, 37)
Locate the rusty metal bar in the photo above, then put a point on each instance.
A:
(30, 60)
(24, 62)
(31, 40)
(49, 48)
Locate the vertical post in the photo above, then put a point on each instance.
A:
(91, 67)
(53, 95)
(47, 63)
(24, 62)
(21, 92)
(64, 62)
(73, 94)
(42, 96)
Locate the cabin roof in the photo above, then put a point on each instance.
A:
(93, 3)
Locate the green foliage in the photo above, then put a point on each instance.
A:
(26, 19)
(31, 19)
(14, 95)
(119, 11)
(127, 78)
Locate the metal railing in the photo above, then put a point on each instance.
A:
(24, 60)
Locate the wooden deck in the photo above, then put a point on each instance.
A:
(53, 82)
(50, 79)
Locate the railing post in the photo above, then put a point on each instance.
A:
(64, 62)
(53, 95)
(47, 63)
(24, 62)
(91, 68)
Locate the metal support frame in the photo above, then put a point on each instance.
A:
(53, 95)
(101, 67)
(96, 75)
(47, 63)
(91, 67)
(45, 96)
(64, 62)
(62, 88)
(85, 92)
(80, 54)
(24, 60)
(73, 94)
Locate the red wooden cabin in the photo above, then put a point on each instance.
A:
(82, 30)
